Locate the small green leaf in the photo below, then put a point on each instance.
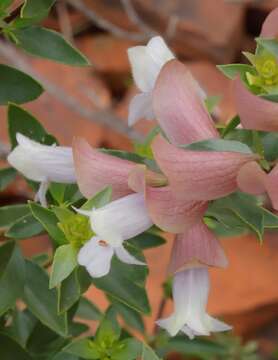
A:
(33, 8)
(270, 219)
(49, 221)
(41, 301)
(24, 228)
(10, 349)
(128, 349)
(57, 191)
(12, 213)
(125, 155)
(147, 240)
(87, 310)
(5, 4)
(109, 330)
(84, 348)
(126, 284)
(270, 45)
(233, 70)
(23, 324)
(270, 97)
(63, 264)
(99, 200)
(17, 87)
(211, 102)
(232, 124)
(7, 175)
(72, 288)
(132, 318)
(21, 121)
(13, 276)
(218, 145)
(49, 44)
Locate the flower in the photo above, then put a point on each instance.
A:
(42, 163)
(146, 63)
(114, 223)
(190, 293)
(254, 111)
(192, 175)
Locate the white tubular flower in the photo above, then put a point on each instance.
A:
(190, 293)
(114, 223)
(42, 163)
(146, 63)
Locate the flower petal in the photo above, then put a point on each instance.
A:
(140, 107)
(251, 178)
(270, 27)
(166, 211)
(271, 185)
(199, 175)
(178, 106)
(146, 62)
(255, 112)
(126, 257)
(42, 162)
(95, 170)
(95, 257)
(196, 247)
(215, 325)
(121, 219)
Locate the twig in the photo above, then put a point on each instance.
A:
(64, 20)
(133, 17)
(104, 24)
(171, 27)
(103, 117)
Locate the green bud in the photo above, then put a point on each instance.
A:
(77, 229)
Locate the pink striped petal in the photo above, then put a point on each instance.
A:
(178, 106)
(196, 247)
(95, 170)
(166, 211)
(251, 178)
(199, 175)
(255, 112)
(271, 184)
(270, 25)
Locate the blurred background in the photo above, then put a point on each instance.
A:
(93, 102)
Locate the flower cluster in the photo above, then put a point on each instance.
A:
(175, 193)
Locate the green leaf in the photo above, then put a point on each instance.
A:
(64, 262)
(49, 221)
(218, 145)
(13, 276)
(23, 324)
(270, 144)
(233, 70)
(232, 124)
(42, 301)
(270, 219)
(84, 348)
(4, 4)
(7, 175)
(125, 283)
(11, 213)
(57, 191)
(270, 97)
(10, 350)
(270, 45)
(129, 349)
(132, 318)
(211, 102)
(147, 240)
(33, 8)
(87, 310)
(49, 44)
(21, 121)
(244, 207)
(72, 288)
(99, 200)
(24, 228)
(200, 348)
(17, 87)
(109, 330)
(125, 155)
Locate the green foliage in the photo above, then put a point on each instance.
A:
(48, 44)
(17, 87)
(218, 145)
(7, 176)
(34, 8)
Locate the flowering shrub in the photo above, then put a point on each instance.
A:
(101, 208)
